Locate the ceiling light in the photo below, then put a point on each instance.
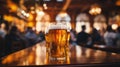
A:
(95, 9)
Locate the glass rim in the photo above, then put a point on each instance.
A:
(57, 26)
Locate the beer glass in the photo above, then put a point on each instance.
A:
(57, 37)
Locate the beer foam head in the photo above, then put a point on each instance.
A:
(58, 26)
(46, 30)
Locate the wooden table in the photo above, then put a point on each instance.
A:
(77, 56)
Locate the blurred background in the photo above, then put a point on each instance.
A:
(90, 12)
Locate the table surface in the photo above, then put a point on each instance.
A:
(77, 55)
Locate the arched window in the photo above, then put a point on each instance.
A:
(63, 17)
(100, 23)
(82, 19)
(42, 20)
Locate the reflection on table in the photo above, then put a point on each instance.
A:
(37, 55)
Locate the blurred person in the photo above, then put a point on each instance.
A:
(96, 37)
(41, 36)
(3, 32)
(118, 37)
(109, 36)
(73, 37)
(83, 38)
(14, 41)
(31, 36)
(2, 47)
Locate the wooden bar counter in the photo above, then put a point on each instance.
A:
(77, 56)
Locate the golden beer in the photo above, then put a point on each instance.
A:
(47, 38)
(58, 44)
(57, 38)
(68, 38)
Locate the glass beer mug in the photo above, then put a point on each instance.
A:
(57, 38)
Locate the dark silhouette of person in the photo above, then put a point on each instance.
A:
(118, 37)
(110, 36)
(2, 47)
(83, 37)
(13, 40)
(73, 36)
(31, 36)
(96, 37)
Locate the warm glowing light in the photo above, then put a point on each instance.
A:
(13, 7)
(88, 53)
(42, 20)
(118, 3)
(3, 25)
(8, 18)
(27, 15)
(114, 26)
(39, 9)
(32, 8)
(33, 12)
(79, 51)
(21, 25)
(30, 18)
(38, 26)
(40, 14)
(40, 54)
(95, 9)
(30, 24)
(118, 19)
(24, 13)
(100, 25)
(63, 14)
(45, 6)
